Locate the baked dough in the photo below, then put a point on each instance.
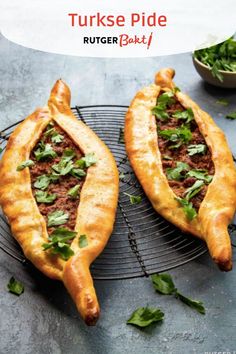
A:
(218, 206)
(97, 207)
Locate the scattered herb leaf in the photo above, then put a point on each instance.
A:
(231, 115)
(197, 305)
(24, 164)
(144, 316)
(134, 199)
(222, 101)
(58, 243)
(57, 138)
(200, 174)
(74, 191)
(86, 161)
(63, 167)
(163, 283)
(78, 173)
(45, 197)
(57, 217)
(44, 151)
(196, 149)
(188, 208)
(186, 115)
(166, 99)
(83, 241)
(193, 190)
(177, 173)
(181, 135)
(15, 287)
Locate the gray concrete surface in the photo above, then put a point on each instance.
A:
(44, 319)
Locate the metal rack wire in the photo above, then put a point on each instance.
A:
(142, 242)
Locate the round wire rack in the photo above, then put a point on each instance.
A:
(142, 242)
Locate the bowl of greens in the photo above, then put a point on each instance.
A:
(217, 64)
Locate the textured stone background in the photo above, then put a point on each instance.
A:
(44, 319)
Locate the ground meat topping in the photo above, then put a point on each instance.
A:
(52, 183)
(186, 158)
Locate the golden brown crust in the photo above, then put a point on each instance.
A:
(96, 211)
(218, 206)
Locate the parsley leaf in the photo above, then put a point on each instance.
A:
(15, 287)
(57, 217)
(196, 149)
(121, 139)
(181, 135)
(44, 151)
(197, 305)
(188, 208)
(134, 199)
(58, 243)
(74, 191)
(163, 283)
(24, 164)
(45, 197)
(57, 138)
(186, 115)
(144, 316)
(177, 173)
(231, 115)
(83, 241)
(63, 167)
(222, 101)
(200, 174)
(166, 99)
(1, 150)
(78, 173)
(43, 181)
(68, 154)
(160, 113)
(193, 190)
(86, 161)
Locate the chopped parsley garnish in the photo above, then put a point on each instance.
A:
(1, 150)
(144, 316)
(231, 115)
(68, 154)
(193, 190)
(219, 57)
(201, 175)
(134, 199)
(15, 287)
(177, 173)
(186, 115)
(63, 167)
(57, 217)
(44, 151)
(181, 135)
(164, 284)
(74, 191)
(78, 173)
(59, 243)
(121, 139)
(45, 197)
(86, 161)
(43, 181)
(160, 112)
(196, 149)
(83, 241)
(57, 138)
(188, 208)
(24, 164)
(163, 101)
(222, 101)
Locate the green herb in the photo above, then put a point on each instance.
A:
(59, 243)
(200, 174)
(196, 149)
(186, 115)
(193, 190)
(188, 208)
(43, 181)
(197, 305)
(15, 287)
(231, 115)
(63, 167)
(144, 316)
(45, 197)
(74, 191)
(166, 99)
(1, 150)
(180, 135)
(57, 138)
(176, 89)
(177, 173)
(121, 139)
(83, 241)
(50, 130)
(57, 217)
(222, 101)
(78, 173)
(24, 164)
(163, 283)
(134, 199)
(44, 151)
(68, 154)
(86, 161)
(219, 57)
(160, 113)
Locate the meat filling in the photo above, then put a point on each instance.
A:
(64, 185)
(190, 149)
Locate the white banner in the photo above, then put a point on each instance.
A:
(117, 28)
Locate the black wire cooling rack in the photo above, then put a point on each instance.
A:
(142, 242)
